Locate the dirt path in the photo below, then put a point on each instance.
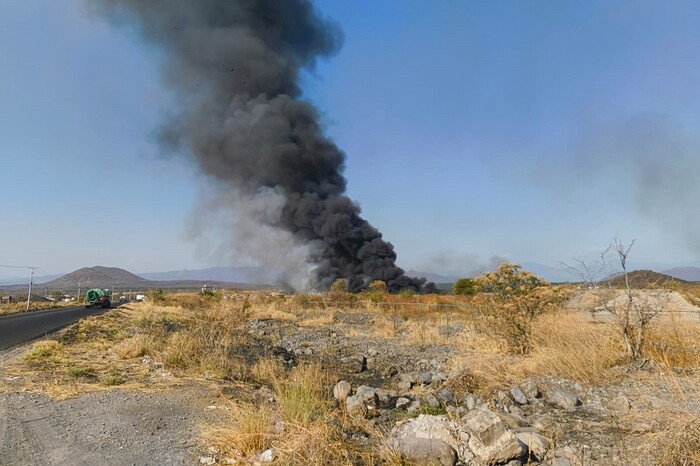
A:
(108, 428)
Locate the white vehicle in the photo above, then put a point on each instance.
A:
(140, 297)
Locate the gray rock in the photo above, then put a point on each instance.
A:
(432, 401)
(366, 392)
(268, 456)
(518, 396)
(563, 398)
(620, 404)
(384, 398)
(405, 382)
(402, 403)
(456, 411)
(516, 410)
(470, 401)
(342, 390)
(446, 396)
(491, 440)
(561, 462)
(426, 440)
(513, 421)
(404, 385)
(354, 365)
(530, 389)
(414, 406)
(537, 445)
(362, 402)
(426, 378)
(356, 407)
(503, 397)
(390, 372)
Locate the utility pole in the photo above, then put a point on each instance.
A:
(31, 278)
(31, 282)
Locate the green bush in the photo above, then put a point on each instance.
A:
(464, 286)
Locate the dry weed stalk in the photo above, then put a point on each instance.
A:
(631, 309)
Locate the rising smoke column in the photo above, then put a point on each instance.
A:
(234, 66)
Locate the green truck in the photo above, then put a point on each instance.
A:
(97, 297)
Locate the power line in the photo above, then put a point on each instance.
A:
(31, 279)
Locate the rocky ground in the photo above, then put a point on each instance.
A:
(410, 379)
(434, 415)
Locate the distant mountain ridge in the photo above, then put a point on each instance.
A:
(120, 279)
(38, 279)
(252, 275)
(642, 279)
(98, 276)
(689, 274)
(432, 277)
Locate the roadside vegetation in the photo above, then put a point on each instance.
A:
(505, 327)
(14, 308)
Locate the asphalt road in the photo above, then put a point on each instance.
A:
(18, 328)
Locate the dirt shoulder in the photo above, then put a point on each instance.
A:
(49, 418)
(111, 428)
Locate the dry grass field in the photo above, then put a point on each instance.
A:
(35, 306)
(275, 360)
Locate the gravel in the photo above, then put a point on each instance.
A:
(107, 428)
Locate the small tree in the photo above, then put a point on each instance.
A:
(339, 286)
(509, 301)
(158, 295)
(631, 309)
(464, 286)
(377, 286)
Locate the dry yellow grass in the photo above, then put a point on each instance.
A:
(249, 430)
(304, 396)
(317, 319)
(675, 439)
(35, 306)
(422, 332)
(566, 344)
(570, 345)
(679, 443)
(192, 342)
(267, 370)
(674, 342)
(301, 427)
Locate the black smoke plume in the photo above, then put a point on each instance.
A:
(234, 66)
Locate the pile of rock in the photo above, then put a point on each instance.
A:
(471, 431)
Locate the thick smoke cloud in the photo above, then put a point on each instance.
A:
(234, 66)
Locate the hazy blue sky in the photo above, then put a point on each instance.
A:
(533, 130)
